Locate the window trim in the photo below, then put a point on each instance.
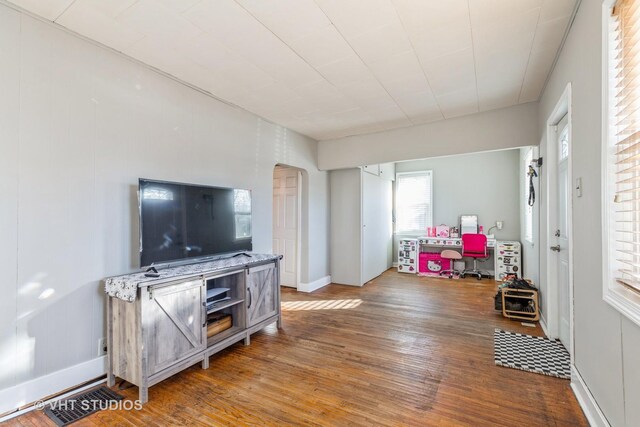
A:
(248, 213)
(625, 301)
(395, 207)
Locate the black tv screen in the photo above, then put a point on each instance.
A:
(181, 221)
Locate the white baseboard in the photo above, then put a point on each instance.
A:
(315, 285)
(39, 388)
(543, 325)
(71, 392)
(586, 400)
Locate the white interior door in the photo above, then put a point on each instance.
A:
(561, 235)
(286, 206)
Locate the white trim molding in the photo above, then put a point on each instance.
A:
(56, 398)
(315, 285)
(40, 388)
(587, 402)
(543, 325)
(552, 311)
(624, 300)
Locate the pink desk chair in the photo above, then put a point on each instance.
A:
(474, 246)
(452, 256)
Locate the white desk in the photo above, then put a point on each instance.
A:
(452, 242)
(449, 242)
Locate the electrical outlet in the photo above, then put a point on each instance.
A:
(578, 187)
(499, 225)
(102, 346)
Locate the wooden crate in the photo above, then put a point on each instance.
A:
(525, 296)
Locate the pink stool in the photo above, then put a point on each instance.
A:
(452, 256)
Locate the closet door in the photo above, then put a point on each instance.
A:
(346, 226)
(376, 226)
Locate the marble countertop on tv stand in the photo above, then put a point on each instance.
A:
(125, 287)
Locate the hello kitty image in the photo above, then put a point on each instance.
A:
(434, 266)
(442, 230)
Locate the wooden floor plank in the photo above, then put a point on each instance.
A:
(402, 350)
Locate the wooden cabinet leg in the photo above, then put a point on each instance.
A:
(279, 322)
(143, 394)
(205, 362)
(111, 379)
(247, 340)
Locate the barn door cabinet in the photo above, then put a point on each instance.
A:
(173, 316)
(263, 296)
(164, 330)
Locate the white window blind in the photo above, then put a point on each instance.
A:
(414, 202)
(624, 137)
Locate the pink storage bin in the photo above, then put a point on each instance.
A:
(442, 230)
(432, 263)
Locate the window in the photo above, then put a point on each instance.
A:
(414, 202)
(528, 212)
(563, 144)
(156, 193)
(622, 151)
(242, 211)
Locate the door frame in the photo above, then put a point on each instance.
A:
(562, 108)
(299, 219)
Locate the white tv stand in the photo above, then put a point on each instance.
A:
(164, 329)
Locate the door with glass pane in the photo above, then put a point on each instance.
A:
(562, 231)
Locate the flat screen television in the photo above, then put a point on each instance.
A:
(184, 221)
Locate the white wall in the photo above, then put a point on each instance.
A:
(78, 125)
(492, 130)
(486, 184)
(606, 343)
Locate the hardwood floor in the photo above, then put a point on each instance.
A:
(400, 351)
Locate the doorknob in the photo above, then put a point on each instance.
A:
(555, 248)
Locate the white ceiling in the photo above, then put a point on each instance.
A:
(331, 68)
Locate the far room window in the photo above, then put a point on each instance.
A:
(242, 210)
(528, 212)
(414, 202)
(622, 152)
